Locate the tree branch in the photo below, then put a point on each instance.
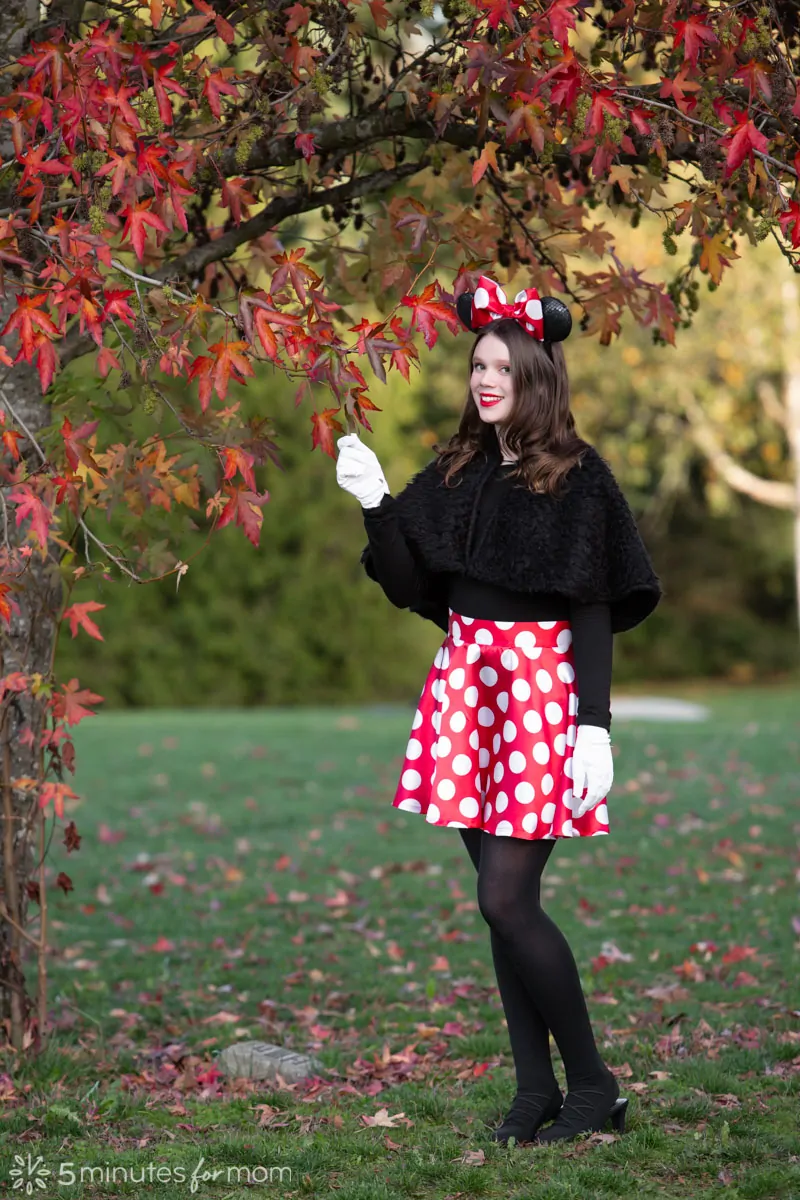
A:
(765, 491)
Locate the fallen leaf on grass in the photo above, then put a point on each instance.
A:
(382, 1118)
(471, 1158)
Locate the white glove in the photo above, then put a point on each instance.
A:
(359, 472)
(592, 767)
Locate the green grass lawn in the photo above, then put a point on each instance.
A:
(243, 875)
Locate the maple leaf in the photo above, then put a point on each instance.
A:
(742, 140)
(244, 507)
(304, 142)
(677, 89)
(216, 83)
(561, 19)
(487, 158)
(237, 198)
(229, 362)
(77, 452)
(298, 15)
(693, 33)
(426, 311)
(324, 425)
(757, 76)
(70, 705)
(499, 10)
(290, 265)
(136, 218)
(789, 221)
(716, 255)
(602, 102)
(76, 614)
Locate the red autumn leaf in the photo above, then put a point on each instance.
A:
(229, 363)
(487, 158)
(69, 707)
(29, 505)
(78, 452)
(298, 15)
(677, 88)
(742, 140)
(757, 76)
(602, 102)
(693, 34)
(789, 221)
(426, 311)
(325, 425)
(244, 507)
(25, 318)
(76, 614)
(216, 83)
(304, 142)
(136, 218)
(237, 198)
(561, 19)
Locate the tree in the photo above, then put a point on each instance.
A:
(187, 187)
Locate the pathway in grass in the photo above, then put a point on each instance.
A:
(242, 875)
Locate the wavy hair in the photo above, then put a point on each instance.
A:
(540, 429)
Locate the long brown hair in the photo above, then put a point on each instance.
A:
(541, 427)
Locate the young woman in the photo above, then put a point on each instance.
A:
(517, 541)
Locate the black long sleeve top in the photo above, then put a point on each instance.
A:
(592, 639)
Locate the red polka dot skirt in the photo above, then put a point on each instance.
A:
(492, 737)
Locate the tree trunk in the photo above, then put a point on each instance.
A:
(26, 645)
(790, 295)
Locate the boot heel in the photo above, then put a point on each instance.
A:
(617, 1114)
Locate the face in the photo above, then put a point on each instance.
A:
(490, 382)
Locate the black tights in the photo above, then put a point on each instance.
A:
(536, 972)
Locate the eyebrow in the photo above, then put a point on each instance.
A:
(477, 358)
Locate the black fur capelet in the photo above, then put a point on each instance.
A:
(584, 544)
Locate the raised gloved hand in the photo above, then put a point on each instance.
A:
(592, 768)
(359, 472)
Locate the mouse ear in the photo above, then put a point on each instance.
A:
(557, 319)
(464, 310)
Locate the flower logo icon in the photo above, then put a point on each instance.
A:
(29, 1175)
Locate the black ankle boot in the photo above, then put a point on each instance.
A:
(528, 1111)
(587, 1108)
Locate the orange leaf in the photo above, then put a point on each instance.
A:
(487, 159)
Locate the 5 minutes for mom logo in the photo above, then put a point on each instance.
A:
(29, 1175)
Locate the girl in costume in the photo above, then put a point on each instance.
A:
(517, 541)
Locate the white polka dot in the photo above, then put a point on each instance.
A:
(445, 789)
(521, 690)
(433, 814)
(481, 298)
(502, 701)
(473, 653)
(516, 762)
(456, 678)
(411, 779)
(455, 630)
(504, 624)
(568, 767)
(437, 662)
(560, 743)
(525, 792)
(443, 746)
(548, 783)
(534, 310)
(496, 743)
(565, 672)
(501, 801)
(469, 807)
(462, 764)
(564, 641)
(471, 696)
(601, 812)
(543, 680)
(485, 716)
(468, 620)
(554, 712)
(483, 757)
(529, 822)
(417, 720)
(483, 637)
(509, 731)
(414, 748)
(478, 785)
(456, 825)
(532, 720)
(499, 771)
(548, 812)
(504, 829)
(545, 624)
(410, 805)
(487, 810)
(541, 753)
(572, 734)
(572, 705)
(474, 739)
(526, 642)
(566, 828)
(488, 675)
(597, 831)
(509, 659)
(457, 721)
(567, 799)
(501, 296)
(436, 721)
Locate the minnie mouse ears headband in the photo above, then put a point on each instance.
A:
(546, 319)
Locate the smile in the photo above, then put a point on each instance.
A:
(489, 400)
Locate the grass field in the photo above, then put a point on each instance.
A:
(242, 875)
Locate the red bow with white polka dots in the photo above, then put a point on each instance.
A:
(489, 304)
